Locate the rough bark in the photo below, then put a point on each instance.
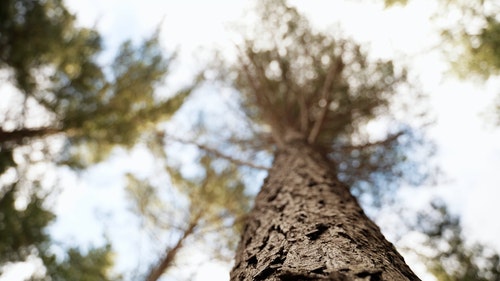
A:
(305, 225)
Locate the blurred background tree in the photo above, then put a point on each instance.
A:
(55, 69)
(66, 107)
(446, 251)
(204, 211)
(470, 38)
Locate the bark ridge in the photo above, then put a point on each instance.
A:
(305, 225)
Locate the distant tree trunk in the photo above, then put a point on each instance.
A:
(305, 225)
(17, 137)
(170, 254)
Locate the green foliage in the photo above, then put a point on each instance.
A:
(292, 72)
(21, 228)
(488, 52)
(32, 33)
(472, 44)
(99, 114)
(23, 234)
(219, 198)
(478, 52)
(470, 32)
(309, 86)
(216, 194)
(95, 265)
(451, 258)
(123, 109)
(94, 107)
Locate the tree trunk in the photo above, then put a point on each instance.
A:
(305, 225)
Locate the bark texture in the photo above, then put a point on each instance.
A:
(306, 225)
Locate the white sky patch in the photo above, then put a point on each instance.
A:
(193, 263)
(22, 270)
(469, 152)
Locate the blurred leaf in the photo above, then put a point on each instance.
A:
(451, 257)
(390, 3)
(94, 265)
(22, 230)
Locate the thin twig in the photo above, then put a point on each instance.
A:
(389, 139)
(220, 154)
(171, 253)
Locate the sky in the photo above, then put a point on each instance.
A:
(468, 145)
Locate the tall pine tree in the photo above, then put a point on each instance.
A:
(313, 96)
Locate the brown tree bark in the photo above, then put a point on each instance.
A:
(305, 225)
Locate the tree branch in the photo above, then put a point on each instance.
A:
(304, 114)
(333, 73)
(220, 154)
(263, 101)
(157, 271)
(389, 139)
(19, 136)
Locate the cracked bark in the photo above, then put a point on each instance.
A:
(305, 225)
